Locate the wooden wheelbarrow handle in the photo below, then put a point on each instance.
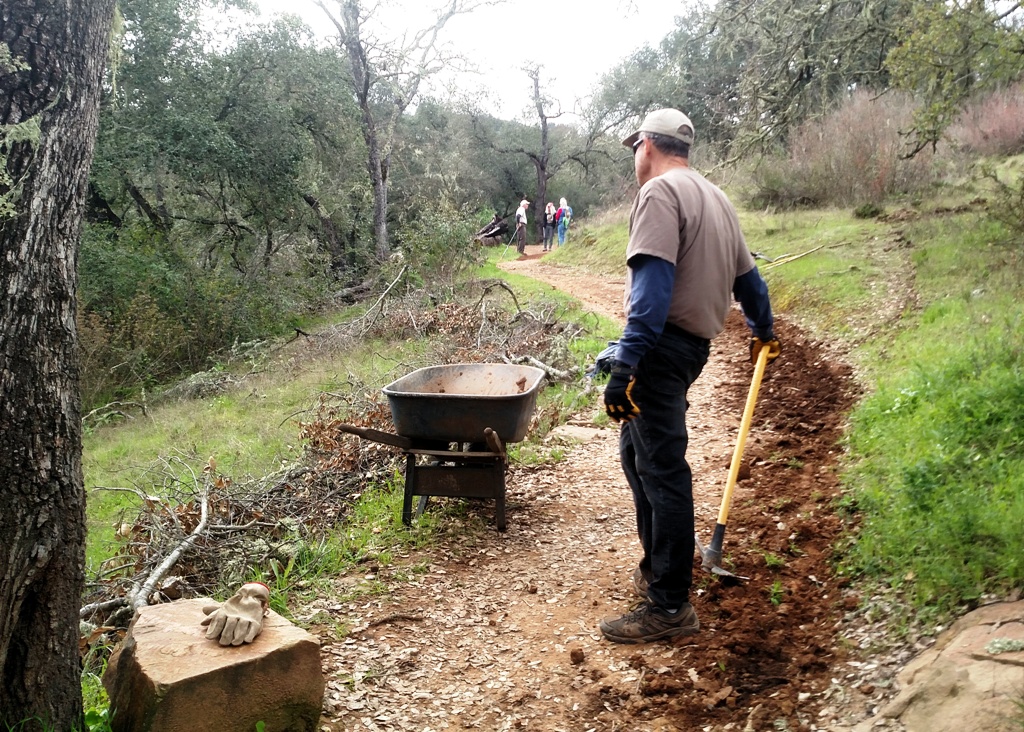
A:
(368, 433)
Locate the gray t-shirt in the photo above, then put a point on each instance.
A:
(685, 219)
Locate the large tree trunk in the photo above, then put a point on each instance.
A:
(379, 178)
(386, 80)
(328, 231)
(49, 99)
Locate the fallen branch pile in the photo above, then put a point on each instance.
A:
(194, 530)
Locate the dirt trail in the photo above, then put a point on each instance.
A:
(500, 632)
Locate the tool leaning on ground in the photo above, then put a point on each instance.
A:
(514, 232)
(711, 556)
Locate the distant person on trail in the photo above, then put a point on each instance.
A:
(550, 221)
(521, 226)
(564, 217)
(685, 261)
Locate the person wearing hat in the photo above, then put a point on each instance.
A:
(521, 226)
(686, 260)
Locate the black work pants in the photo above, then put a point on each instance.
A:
(652, 448)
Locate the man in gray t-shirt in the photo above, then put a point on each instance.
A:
(686, 259)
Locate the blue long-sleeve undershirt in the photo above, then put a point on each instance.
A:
(651, 296)
(752, 292)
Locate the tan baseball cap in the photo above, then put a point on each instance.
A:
(668, 122)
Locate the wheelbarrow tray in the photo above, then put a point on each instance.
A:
(457, 402)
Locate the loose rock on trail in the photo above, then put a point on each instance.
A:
(500, 631)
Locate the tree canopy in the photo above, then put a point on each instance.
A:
(258, 170)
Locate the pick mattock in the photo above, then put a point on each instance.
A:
(712, 556)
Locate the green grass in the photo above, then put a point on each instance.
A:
(95, 702)
(253, 429)
(840, 275)
(250, 431)
(938, 477)
(598, 248)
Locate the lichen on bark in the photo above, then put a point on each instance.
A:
(29, 132)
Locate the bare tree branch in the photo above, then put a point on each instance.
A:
(141, 592)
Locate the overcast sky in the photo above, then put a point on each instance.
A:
(575, 41)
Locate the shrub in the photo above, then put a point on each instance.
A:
(852, 156)
(436, 242)
(868, 211)
(992, 124)
(1007, 204)
(147, 315)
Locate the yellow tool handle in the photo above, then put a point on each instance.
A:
(741, 440)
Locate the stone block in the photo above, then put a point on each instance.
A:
(167, 677)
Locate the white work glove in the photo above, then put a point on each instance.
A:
(240, 619)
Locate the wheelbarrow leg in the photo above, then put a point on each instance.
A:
(410, 478)
(494, 442)
(499, 508)
(421, 505)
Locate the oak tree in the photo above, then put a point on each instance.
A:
(386, 77)
(52, 54)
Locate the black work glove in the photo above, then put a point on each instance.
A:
(770, 342)
(618, 394)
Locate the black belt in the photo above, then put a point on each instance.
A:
(675, 330)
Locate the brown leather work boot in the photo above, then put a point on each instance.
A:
(649, 623)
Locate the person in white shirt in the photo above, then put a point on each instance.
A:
(521, 226)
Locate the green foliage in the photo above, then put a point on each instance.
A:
(25, 132)
(148, 314)
(97, 720)
(941, 50)
(436, 242)
(868, 211)
(939, 473)
(1007, 204)
(97, 710)
(749, 73)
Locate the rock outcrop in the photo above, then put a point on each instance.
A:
(167, 677)
(972, 678)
